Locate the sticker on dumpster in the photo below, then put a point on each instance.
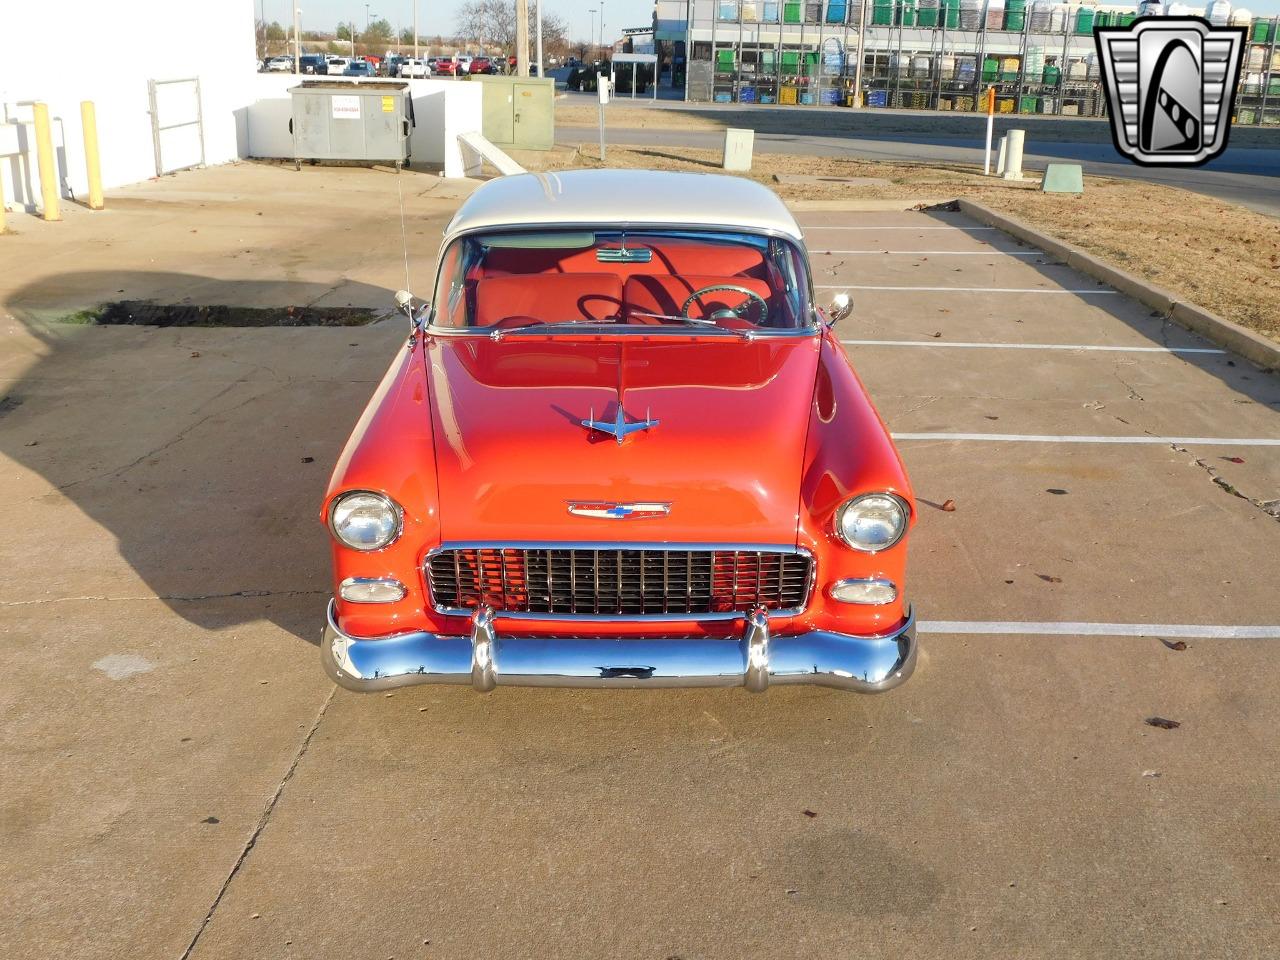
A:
(388, 104)
(346, 108)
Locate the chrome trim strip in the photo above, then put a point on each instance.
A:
(601, 545)
(755, 660)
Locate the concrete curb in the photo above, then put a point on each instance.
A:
(1252, 346)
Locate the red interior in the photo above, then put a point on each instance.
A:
(513, 287)
(515, 300)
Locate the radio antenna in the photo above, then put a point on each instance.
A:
(404, 237)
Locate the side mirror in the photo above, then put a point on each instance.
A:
(841, 307)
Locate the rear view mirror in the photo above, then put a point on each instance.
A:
(841, 307)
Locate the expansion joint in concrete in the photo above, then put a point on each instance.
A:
(263, 820)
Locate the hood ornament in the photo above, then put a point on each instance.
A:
(618, 427)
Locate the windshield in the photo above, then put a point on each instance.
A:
(633, 281)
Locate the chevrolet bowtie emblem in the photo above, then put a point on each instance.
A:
(602, 510)
(618, 427)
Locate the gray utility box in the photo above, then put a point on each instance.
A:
(369, 121)
(518, 111)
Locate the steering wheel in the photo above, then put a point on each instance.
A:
(727, 311)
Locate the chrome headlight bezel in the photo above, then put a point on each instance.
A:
(839, 521)
(394, 509)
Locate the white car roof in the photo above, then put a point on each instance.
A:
(652, 198)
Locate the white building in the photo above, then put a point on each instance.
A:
(74, 50)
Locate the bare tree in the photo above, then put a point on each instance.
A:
(494, 22)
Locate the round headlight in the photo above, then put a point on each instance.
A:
(872, 522)
(365, 521)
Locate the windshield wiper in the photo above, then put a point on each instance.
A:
(607, 326)
(696, 322)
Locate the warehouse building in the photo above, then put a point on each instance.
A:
(926, 54)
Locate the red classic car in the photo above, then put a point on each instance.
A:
(621, 447)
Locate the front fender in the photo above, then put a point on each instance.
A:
(848, 452)
(391, 451)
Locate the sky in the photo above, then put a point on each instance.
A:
(437, 16)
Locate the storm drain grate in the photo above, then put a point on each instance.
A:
(148, 314)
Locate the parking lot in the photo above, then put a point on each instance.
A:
(182, 780)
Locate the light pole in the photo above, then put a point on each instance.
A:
(601, 26)
(366, 26)
(538, 11)
(415, 29)
(591, 36)
(297, 42)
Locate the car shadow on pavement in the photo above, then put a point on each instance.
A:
(198, 456)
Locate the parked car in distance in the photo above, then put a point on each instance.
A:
(335, 65)
(443, 66)
(414, 69)
(464, 64)
(280, 65)
(314, 63)
(359, 68)
(622, 447)
(481, 65)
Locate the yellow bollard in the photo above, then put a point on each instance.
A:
(93, 167)
(44, 153)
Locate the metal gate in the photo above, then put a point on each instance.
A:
(177, 124)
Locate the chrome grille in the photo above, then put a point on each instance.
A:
(621, 581)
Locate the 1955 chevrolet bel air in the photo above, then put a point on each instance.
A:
(621, 448)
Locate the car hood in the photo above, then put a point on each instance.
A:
(725, 451)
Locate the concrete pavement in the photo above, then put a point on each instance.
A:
(178, 770)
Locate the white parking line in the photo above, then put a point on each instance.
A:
(1027, 346)
(1034, 438)
(933, 253)
(854, 286)
(1061, 629)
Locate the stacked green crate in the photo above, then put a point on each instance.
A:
(882, 13)
(951, 10)
(990, 69)
(1261, 31)
(791, 12)
(907, 13)
(790, 62)
(1015, 15)
(1084, 20)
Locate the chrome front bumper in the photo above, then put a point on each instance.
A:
(865, 664)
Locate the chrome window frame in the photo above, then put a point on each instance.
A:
(609, 545)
